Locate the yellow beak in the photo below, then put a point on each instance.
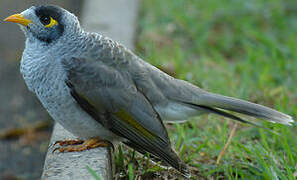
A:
(18, 18)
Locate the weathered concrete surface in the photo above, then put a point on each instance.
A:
(18, 106)
(115, 19)
(73, 165)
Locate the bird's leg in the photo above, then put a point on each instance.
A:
(88, 144)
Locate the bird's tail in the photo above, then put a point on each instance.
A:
(194, 97)
(214, 103)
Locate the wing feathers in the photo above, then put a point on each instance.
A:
(123, 124)
(155, 146)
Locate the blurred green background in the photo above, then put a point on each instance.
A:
(239, 48)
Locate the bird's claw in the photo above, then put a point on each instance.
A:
(79, 145)
(68, 142)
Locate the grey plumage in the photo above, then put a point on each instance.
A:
(96, 87)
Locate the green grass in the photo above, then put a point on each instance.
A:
(245, 49)
(93, 173)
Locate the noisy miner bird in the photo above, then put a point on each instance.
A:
(102, 92)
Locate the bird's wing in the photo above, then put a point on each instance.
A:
(102, 90)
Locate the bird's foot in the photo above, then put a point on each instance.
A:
(68, 142)
(79, 145)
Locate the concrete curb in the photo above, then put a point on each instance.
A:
(115, 19)
(74, 165)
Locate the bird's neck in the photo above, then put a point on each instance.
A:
(41, 63)
(37, 68)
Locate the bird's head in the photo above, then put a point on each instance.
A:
(45, 23)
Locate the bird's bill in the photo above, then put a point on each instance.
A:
(18, 18)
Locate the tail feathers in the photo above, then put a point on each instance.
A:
(243, 107)
(225, 114)
(231, 116)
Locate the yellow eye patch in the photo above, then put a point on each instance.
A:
(51, 23)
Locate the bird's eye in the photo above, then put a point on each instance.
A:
(48, 21)
(45, 20)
